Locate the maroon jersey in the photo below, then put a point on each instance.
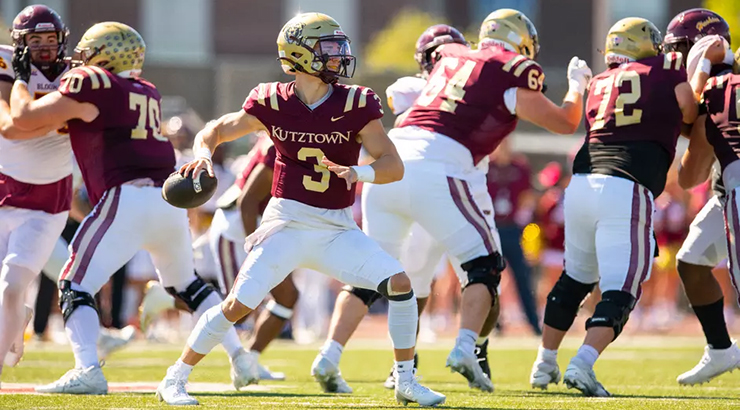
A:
(124, 142)
(464, 97)
(263, 152)
(303, 136)
(506, 184)
(633, 121)
(553, 218)
(721, 96)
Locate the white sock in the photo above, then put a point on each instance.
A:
(466, 340)
(332, 350)
(404, 370)
(403, 320)
(481, 340)
(209, 331)
(231, 342)
(180, 370)
(83, 328)
(587, 355)
(547, 355)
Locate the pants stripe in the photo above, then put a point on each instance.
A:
(733, 247)
(639, 240)
(646, 255)
(226, 255)
(466, 205)
(79, 237)
(98, 236)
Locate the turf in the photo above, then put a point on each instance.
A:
(640, 373)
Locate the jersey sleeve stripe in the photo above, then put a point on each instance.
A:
(363, 98)
(261, 94)
(350, 98)
(103, 76)
(679, 61)
(93, 77)
(273, 97)
(511, 63)
(521, 67)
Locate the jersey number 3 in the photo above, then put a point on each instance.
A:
(605, 87)
(454, 87)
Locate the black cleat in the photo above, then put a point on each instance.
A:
(481, 351)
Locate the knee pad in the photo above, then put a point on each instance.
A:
(613, 311)
(486, 270)
(194, 294)
(70, 299)
(279, 310)
(385, 289)
(564, 300)
(367, 296)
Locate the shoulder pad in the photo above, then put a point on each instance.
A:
(266, 94)
(367, 98)
(6, 63)
(85, 79)
(526, 72)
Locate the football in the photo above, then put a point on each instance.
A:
(189, 192)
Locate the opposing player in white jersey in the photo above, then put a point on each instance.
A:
(34, 200)
(704, 248)
(124, 161)
(472, 101)
(421, 254)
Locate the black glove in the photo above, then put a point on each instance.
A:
(22, 64)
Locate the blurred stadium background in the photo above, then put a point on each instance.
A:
(205, 56)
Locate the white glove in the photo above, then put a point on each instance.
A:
(579, 75)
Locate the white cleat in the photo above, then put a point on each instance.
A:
(266, 374)
(713, 363)
(15, 354)
(329, 376)
(110, 341)
(466, 363)
(544, 373)
(156, 300)
(78, 381)
(244, 370)
(410, 391)
(580, 377)
(172, 391)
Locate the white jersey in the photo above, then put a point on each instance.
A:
(402, 94)
(21, 160)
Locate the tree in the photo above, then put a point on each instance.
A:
(730, 10)
(392, 49)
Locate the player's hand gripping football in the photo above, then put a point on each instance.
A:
(346, 173)
(196, 166)
(22, 63)
(579, 75)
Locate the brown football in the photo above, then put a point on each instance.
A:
(186, 192)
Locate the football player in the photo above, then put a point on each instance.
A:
(238, 216)
(472, 101)
(704, 247)
(114, 120)
(634, 114)
(353, 303)
(318, 128)
(34, 200)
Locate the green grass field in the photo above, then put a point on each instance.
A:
(640, 372)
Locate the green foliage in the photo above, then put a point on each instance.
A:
(392, 49)
(730, 10)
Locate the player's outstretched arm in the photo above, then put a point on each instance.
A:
(51, 110)
(256, 190)
(387, 166)
(696, 163)
(687, 103)
(9, 130)
(534, 107)
(229, 127)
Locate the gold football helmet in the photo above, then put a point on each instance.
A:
(511, 27)
(736, 67)
(314, 43)
(630, 39)
(114, 46)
